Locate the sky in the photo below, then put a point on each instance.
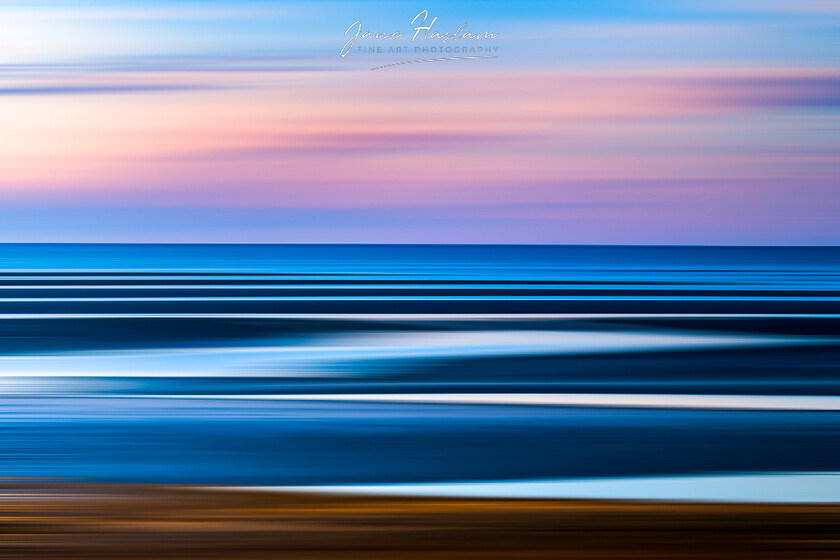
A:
(594, 122)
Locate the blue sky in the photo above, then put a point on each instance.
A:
(595, 122)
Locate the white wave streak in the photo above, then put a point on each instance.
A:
(613, 400)
(347, 354)
(741, 488)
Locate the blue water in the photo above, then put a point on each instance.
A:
(168, 363)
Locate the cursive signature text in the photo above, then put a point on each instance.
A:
(354, 32)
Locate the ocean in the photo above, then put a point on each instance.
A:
(331, 365)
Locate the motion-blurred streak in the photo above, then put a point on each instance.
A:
(797, 488)
(70, 521)
(338, 355)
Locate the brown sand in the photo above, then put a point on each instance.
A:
(57, 521)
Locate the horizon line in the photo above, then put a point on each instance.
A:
(421, 244)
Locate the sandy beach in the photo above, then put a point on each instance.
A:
(62, 520)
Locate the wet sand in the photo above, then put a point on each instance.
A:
(63, 520)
